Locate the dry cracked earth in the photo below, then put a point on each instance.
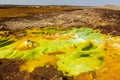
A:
(107, 20)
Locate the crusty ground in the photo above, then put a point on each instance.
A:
(106, 20)
(9, 70)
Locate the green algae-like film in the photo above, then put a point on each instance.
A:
(72, 51)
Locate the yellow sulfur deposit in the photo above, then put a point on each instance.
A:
(72, 51)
